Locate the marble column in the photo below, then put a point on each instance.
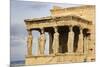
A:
(29, 43)
(42, 41)
(70, 40)
(80, 42)
(55, 41)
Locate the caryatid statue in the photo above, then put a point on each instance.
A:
(42, 41)
(55, 41)
(29, 43)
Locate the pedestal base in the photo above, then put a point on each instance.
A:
(55, 59)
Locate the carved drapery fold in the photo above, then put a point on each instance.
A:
(29, 43)
(70, 40)
(42, 41)
(55, 41)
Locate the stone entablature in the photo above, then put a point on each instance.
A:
(56, 21)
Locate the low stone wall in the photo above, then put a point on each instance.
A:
(55, 59)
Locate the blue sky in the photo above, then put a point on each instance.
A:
(21, 10)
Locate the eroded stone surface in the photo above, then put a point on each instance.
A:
(66, 45)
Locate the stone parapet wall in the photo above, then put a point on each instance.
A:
(87, 12)
(62, 58)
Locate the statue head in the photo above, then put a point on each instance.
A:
(55, 29)
(42, 30)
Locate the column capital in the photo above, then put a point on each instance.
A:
(42, 30)
(81, 31)
(81, 28)
(55, 29)
(29, 32)
(70, 28)
(70, 25)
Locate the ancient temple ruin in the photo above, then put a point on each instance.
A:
(71, 36)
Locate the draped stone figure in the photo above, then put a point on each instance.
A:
(42, 41)
(29, 43)
(70, 40)
(56, 42)
(80, 42)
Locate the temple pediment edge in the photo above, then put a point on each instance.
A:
(56, 18)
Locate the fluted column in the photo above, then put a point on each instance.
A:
(55, 41)
(70, 40)
(80, 42)
(42, 41)
(29, 43)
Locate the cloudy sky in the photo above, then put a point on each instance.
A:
(21, 10)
